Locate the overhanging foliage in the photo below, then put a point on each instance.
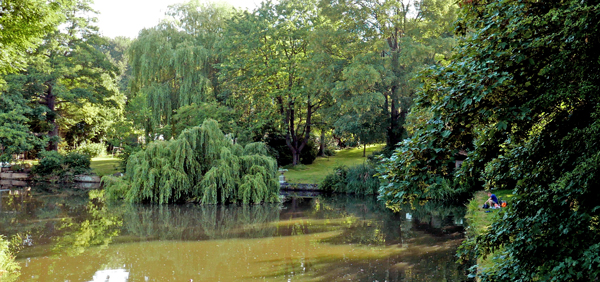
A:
(521, 98)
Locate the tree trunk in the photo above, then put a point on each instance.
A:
(392, 134)
(364, 150)
(51, 104)
(322, 143)
(291, 137)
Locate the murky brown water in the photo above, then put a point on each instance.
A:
(71, 237)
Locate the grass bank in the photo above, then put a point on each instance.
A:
(105, 165)
(316, 172)
(479, 220)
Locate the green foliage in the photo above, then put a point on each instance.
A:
(66, 71)
(191, 115)
(521, 99)
(9, 269)
(128, 150)
(174, 64)
(402, 37)
(24, 23)
(77, 163)
(92, 150)
(53, 163)
(15, 134)
(309, 154)
(50, 161)
(282, 153)
(202, 165)
(357, 179)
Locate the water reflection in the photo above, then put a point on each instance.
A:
(78, 238)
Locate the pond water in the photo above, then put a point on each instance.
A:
(68, 235)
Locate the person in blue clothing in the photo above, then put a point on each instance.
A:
(492, 201)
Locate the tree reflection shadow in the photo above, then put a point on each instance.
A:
(317, 239)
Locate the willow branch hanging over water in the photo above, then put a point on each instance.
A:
(201, 165)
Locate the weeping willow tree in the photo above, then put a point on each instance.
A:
(201, 165)
(174, 63)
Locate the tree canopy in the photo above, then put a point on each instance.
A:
(24, 23)
(520, 98)
(69, 87)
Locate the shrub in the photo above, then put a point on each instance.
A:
(16, 167)
(329, 152)
(281, 152)
(77, 163)
(53, 163)
(50, 161)
(354, 180)
(92, 149)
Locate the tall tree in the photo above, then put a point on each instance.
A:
(67, 68)
(174, 63)
(276, 75)
(23, 25)
(397, 38)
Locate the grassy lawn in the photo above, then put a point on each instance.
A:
(480, 220)
(105, 165)
(316, 172)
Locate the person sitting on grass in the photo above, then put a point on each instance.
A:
(492, 200)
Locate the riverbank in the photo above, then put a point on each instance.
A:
(315, 173)
(479, 220)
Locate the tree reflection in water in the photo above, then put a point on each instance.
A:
(317, 239)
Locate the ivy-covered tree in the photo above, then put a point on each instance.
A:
(521, 99)
(202, 165)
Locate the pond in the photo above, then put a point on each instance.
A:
(71, 235)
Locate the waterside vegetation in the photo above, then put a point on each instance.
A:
(201, 165)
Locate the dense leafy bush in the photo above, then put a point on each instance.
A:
(92, 149)
(329, 152)
(53, 163)
(201, 165)
(309, 153)
(50, 161)
(355, 180)
(77, 163)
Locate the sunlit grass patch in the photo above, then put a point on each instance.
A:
(316, 172)
(479, 220)
(105, 165)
